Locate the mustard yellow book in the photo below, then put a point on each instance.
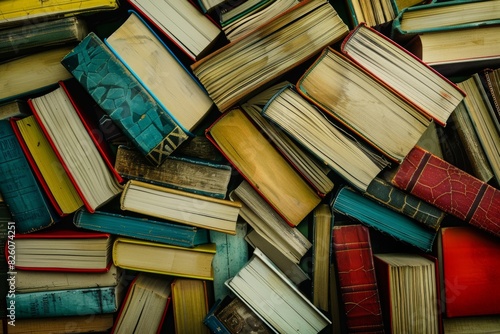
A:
(47, 166)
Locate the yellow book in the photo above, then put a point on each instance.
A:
(52, 175)
(140, 255)
(13, 12)
(192, 295)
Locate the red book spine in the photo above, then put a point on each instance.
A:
(449, 188)
(357, 279)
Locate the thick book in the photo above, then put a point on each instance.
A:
(199, 176)
(145, 305)
(193, 295)
(140, 227)
(351, 247)
(470, 263)
(378, 13)
(64, 249)
(322, 224)
(87, 167)
(263, 166)
(152, 130)
(363, 103)
(450, 189)
(490, 78)
(351, 203)
(433, 94)
(95, 323)
(141, 255)
(275, 298)
(235, 70)
(25, 197)
(180, 206)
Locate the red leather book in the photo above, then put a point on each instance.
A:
(471, 267)
(357, 279)
(449, 188)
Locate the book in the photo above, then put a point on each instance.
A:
(346, 91)
(95, 323)
(140, 227)
(433, 94)
(15, 13)
(321, 252)
(263, 166)
(180, 206)
(335, 147)
(20, 40)
(141, 255)
(139, 115)
(234, 71)
(212, 322)
(14, 108)
(35, 280)
(193, 32)
(145, 304)
(357, 281)
(469, 258)
(170, 83)
(199, 176)
(46, 166)
(274, 297)
(92, 177)
(379, 13)
(471, 325)
(30, 208)
(449, 188)
(64, 249)
(484, 121)
(351, 203)
(407, 286)
(32, 73)
(193, 295)
(490, 79)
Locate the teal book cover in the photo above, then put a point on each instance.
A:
(28, 204)
(141, 228)
(353, 204)
(124, 99)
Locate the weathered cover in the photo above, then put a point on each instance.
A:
(124, 99)
(451, 189)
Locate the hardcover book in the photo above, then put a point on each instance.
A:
(450, 189)
(193, 295)
(321, 252)
(95, 323)
(124, 99)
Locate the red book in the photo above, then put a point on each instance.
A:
(450, 189)
(471, 267)
(357, 279)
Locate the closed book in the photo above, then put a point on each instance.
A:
(321, 253)
(140, 227)
(140, 255)
(139, 115)
(193, 295)
(450, 189)
(357, 280)
(212, 322)
(26, 200)
(95, 323)
(490, 79)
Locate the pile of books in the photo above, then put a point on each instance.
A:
(263, 166)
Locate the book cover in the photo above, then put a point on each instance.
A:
(322, 223)
(95, 323)
(124, 99)
(193, 295)
(450, 189)
(357, 280)
(140, 227)
(237, 317)
(212, 322)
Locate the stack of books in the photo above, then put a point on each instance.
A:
(269, 166)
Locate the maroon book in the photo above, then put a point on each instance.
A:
(449, 188)
(357, 279)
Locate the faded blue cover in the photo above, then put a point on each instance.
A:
(212, 322)
(372, 214)
(124, 99)
(28, 204)
(65, 302)
(141, 228)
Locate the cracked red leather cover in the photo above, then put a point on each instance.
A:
(451, 189)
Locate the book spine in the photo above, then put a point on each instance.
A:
(451, 189)
(357, 280)
(395, 199)
(123, 98)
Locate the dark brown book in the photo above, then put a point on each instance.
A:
(238, 318)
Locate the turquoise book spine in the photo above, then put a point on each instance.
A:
(353, 204)
(58, 303)
(28, 205)
(141, 228)
(124, 99)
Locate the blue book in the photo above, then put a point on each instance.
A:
(212, 322)
(28, 204)
(152, 130)
(141, 228)
(354, 205)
